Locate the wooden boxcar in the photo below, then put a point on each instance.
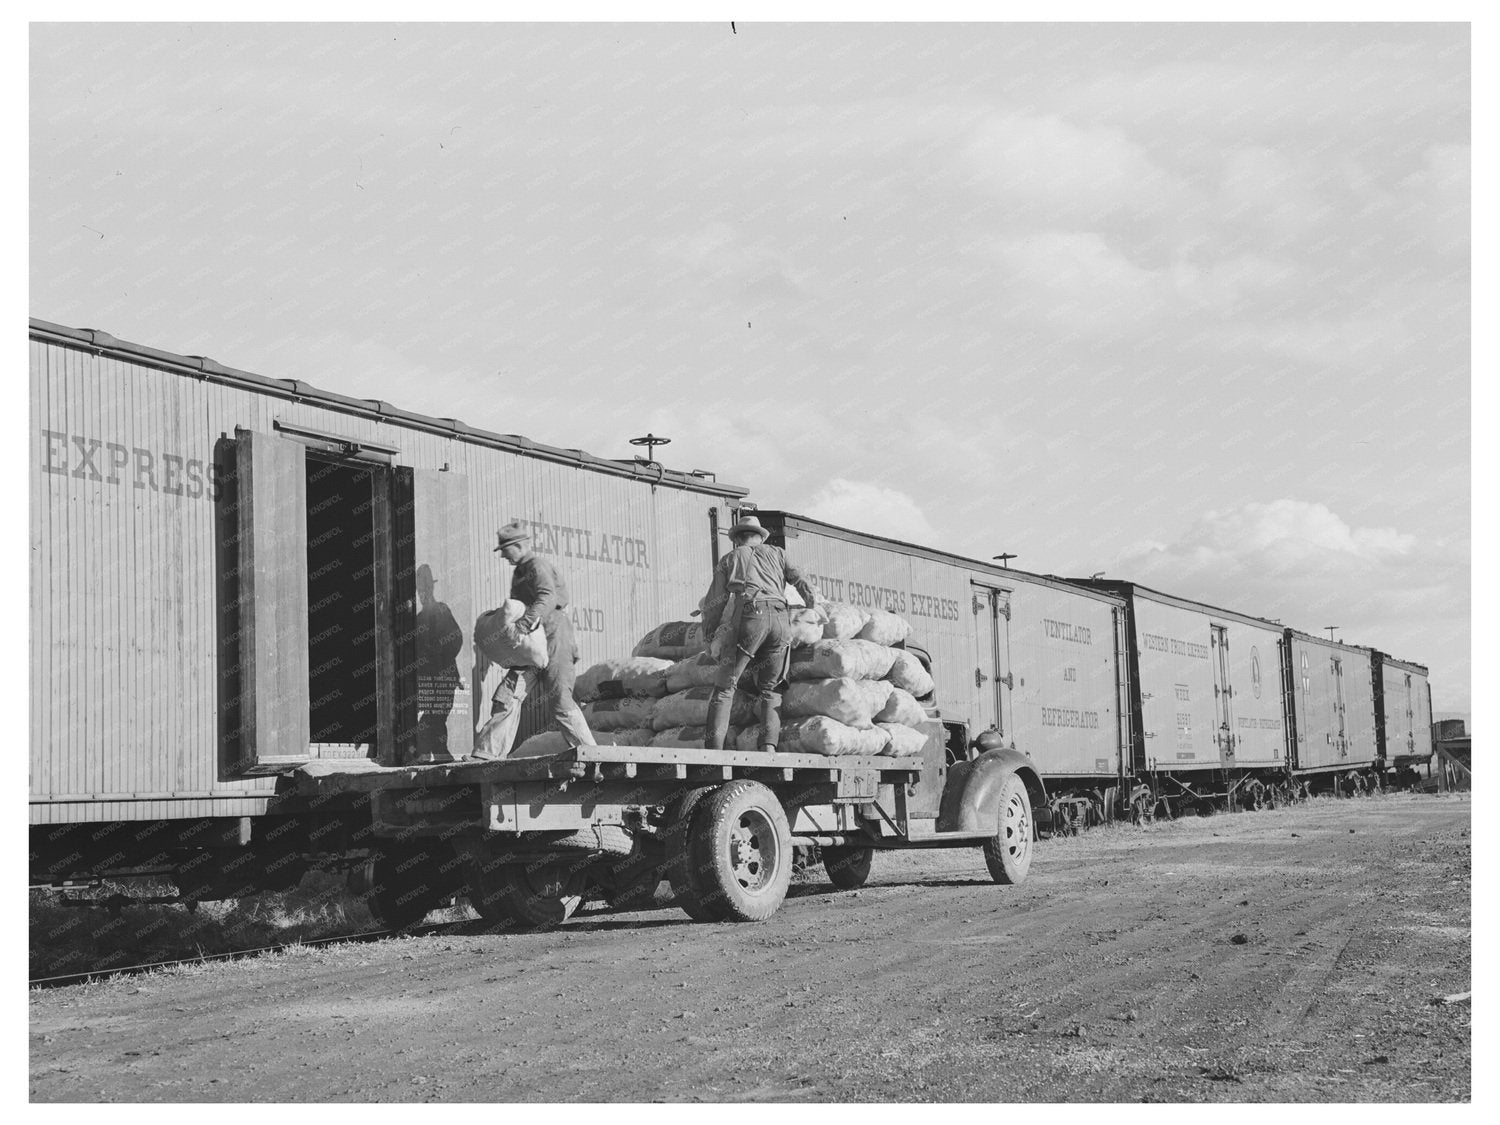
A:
(232, 574)
(1403, 708)
(1035, 659)
(1333, 727)
(1208, 712)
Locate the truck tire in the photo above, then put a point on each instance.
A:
(528, 896)
(408, 886)
(848, 866)
(1008, 853)
(677, 837)
(740, 853)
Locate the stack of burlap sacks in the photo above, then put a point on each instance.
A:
(850, 690)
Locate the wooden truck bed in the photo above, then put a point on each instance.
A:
(597, 763)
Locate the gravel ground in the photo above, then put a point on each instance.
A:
(1319, 953)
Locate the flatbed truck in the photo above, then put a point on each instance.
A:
(526, 839)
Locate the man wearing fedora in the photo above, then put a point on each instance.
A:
(537, 585)
(749, 585)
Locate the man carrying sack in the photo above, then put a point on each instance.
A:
(748, 598)
(538, 586)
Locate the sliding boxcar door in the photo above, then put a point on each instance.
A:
(271, 475)
(435, 620)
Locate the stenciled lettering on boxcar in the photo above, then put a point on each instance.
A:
(586, 619)
(1067, 717)
(1065, 631)
(1155, 642)
(99, 461)
(869, 595)
(589, 544)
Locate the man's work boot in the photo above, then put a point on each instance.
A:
(770, 722)
(716, 727)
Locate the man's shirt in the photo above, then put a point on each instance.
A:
(761, 571)
(538, 586)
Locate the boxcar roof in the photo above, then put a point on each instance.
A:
(1129, 589)
(1409, 665)
(91, 339)
(1326, 643)
(879, 542)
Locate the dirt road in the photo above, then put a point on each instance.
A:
(1301, 954)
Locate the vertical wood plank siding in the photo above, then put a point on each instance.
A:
(1069, 725)
(133, 649)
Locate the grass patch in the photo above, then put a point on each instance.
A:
(75, 939)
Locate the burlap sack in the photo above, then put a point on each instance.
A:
(684, 737)
(901, 707)
(610, 679)
(884, 628)
(673, 641)
(807, 626)
(878, 692)
(843, 699)
(827, 660)
(844, 621)
(691, 671)
(629, 712)
(907, 673)
(905, 742)
(822, 735)
(496, 635)
(690, 708)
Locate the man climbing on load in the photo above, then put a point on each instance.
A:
(537, 585)
(748, 598)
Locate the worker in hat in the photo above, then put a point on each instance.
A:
(748, 597)
(537, 585)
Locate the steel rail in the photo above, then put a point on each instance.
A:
(233, 955)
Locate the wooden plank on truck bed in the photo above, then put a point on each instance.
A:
(667, 763)
(686, 755)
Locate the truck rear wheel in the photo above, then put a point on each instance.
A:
(407, 887)
(1008, 853)
(528, 896)
(848, 866)
(740, 853)
(677, 839)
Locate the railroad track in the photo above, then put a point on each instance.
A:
(234, 955)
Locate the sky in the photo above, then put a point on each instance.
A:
(1185, 304)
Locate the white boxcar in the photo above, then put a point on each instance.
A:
(1034, 658)
(1403, 702)
(1332, 689)
(1208, 685)
(231, 574)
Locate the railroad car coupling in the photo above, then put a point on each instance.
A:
(971, 797)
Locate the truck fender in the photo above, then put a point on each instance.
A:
(971, 796)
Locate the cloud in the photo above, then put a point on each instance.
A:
(718, 255)
(1435, 202)
(1077, 279)
(1304, 565)
(871, 508)
(1046, 169)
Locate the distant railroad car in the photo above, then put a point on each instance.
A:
(1333, 705)
(1208, 713)
(1403, 704)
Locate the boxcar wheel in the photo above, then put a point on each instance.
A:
(848, 867)
(1008, 853)
(740, 853)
